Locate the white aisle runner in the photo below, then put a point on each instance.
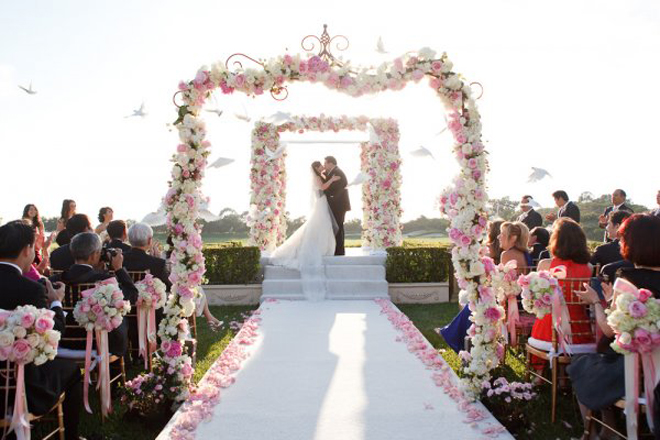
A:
(333, 371)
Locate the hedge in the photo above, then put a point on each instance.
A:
(231, 263)
(418, 264)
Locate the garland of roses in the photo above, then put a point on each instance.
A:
(464, 203)
(381, 193)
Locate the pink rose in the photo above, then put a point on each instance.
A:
(643, 340)
(182, 148)
(116, 321)
(644, 294)
(465, 240)
(175, 349)
(288, 59)
(239, 80)
(119, 304)
(436, 66)
(27, 320)
(417, 74)
(546, 298)
(97, 309)
(186, 370)
(637, 309)
(493, 314)
(165, 346)
(43, 324)
(346, 82)
(20, 349)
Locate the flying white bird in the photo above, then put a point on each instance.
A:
(272, 155)
(380, 47)
(359, 179)
(374, 139)
(205, 214)
(422, 151)
(279, 118)
(157, 218)
(533, 203)
(537, 175)
(139, 112)
(244, 116)
(221, 162)
(29, 90)
(217, 111)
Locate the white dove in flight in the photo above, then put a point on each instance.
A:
(537, 175)
(29, 90)
(139, 112)
(359, 179)
(244, 116)
(272, 155)
(380, 47)
(221, 162)
(422, 151)
(279, 118)
(157, 218)
(217, 111)
(205, 214)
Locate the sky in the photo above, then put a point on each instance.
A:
(569, 86)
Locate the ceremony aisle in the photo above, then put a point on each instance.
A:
(335, 370)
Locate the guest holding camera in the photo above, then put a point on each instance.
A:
(118, 235)
(90, 261)
(61, 258)
(45, 383)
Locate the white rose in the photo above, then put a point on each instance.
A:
(19, 332)
(6, 338)
(625, 338)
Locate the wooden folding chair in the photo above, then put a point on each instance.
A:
(7, 393)
(551, 352)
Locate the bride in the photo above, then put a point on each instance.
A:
(305, 249)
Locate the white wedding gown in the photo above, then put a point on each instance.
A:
(305, 249)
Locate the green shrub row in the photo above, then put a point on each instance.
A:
(231, 263)
(418, 264)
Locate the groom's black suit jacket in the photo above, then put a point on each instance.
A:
(337, 193)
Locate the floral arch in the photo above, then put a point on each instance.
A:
(380, 161)
(464, 203)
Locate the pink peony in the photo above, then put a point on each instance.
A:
(20, 349)
(43, 324)
(643, 340)
(637, 309)
(492, 313)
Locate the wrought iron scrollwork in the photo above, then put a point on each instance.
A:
(326, 43)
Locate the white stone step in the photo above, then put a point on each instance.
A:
(358, 260)
(354, 272)
(281, 287)
(280, 273)
(357, 289)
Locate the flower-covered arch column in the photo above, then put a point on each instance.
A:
(380, 161)
(464, 203)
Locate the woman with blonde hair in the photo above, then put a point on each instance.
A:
(513, 241)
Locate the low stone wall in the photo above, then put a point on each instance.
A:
(419, 293)
(403, 293)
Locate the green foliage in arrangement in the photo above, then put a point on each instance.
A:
(232, 263)
(418, 264)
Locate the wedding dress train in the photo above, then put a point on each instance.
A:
(305, 249)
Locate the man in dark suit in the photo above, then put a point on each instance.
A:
(61, 258)
(44, 383)
(566, 208)
(141, 236)
(610, 252)
(118, 235)
(656, 212)
(338, 200)
(618, 204)
(86, 250)
(529, 216)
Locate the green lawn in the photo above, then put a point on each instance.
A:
(426, 317)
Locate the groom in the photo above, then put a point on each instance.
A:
(338, 200)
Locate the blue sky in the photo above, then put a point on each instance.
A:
(572, 87)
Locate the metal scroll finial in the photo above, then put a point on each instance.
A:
(325, 42)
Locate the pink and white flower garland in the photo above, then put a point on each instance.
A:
(442, 374)
(464, 203)
(381, 193)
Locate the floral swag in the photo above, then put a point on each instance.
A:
(381, 193)
(464, 203)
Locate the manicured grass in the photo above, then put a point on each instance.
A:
(427, 318)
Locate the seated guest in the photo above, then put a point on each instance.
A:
(44, 383)
(568, 246)
(61, 258)
(609, 252)
(618, 204)
(31, 215)
(88, 268)
(455, 332)
(529, 217)
(513, 239)
(106, 215)
(598, 378)
(538, 243)
(68, 211)
(118, 235)
(566, 208)
(656, 212)
(140, 235)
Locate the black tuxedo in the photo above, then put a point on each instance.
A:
(44, 383)
(537, 251)
(61, 258)
(571, 210)
(607, 253)
(339, 202)
(656, 212)
(531, 219)
(118, 244)
(138, 260)
(81, 274)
